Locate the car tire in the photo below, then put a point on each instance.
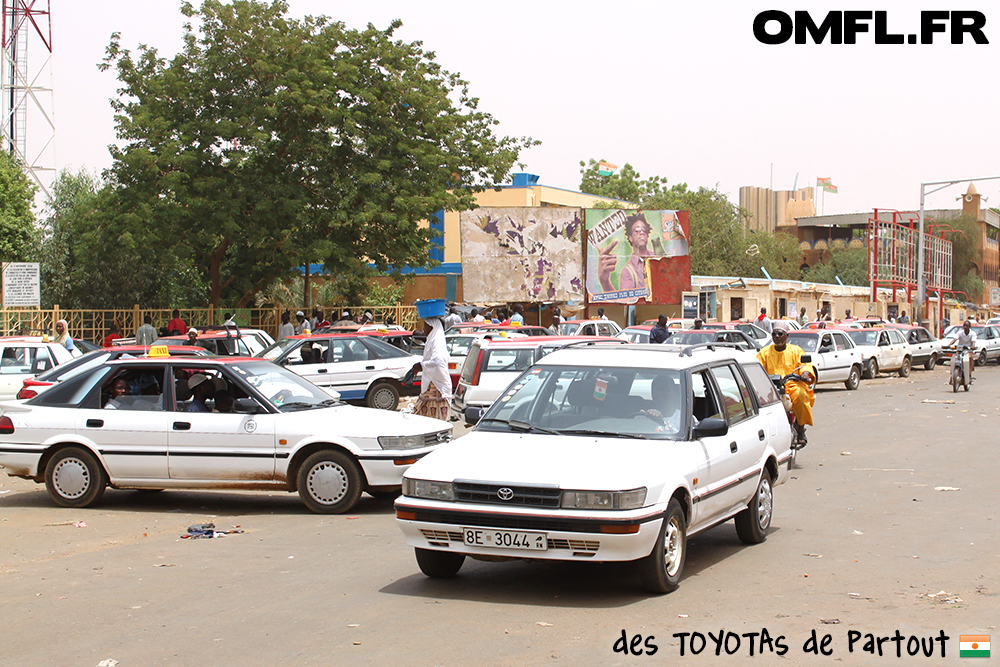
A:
(932, 362)
(872, 369)
(854, 378)
(753, 523)
(329, 482)
(904, 370)
(75, 478)
(981, 359)
(383, 396)
(438, 564)
(661, 570)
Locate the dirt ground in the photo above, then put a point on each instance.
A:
(890, 522)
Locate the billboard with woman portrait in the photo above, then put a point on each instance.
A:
(620, 244)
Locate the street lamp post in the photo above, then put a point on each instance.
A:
(921, 284)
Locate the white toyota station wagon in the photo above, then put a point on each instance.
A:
(605, 453)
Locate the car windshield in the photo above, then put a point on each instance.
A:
(87, 361)
(283, 388)
(604, 401)
(458, 346)
(807, 343)
(274, 351)
(864, 336)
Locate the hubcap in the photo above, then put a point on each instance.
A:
(765, 500)
(383, 399)
(71, 478)
(673, 546)
(327, 483)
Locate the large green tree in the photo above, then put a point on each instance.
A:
(720, 243)
(19, 236)
(965, 241)
(848, 264)
(269, 142)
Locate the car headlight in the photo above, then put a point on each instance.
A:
(401, 441)
(604, 500)
(422, 488)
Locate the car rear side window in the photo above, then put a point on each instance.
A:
(79, 391)
(501, 360)
(735, 394)
(762, 385)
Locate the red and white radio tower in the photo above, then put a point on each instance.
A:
(27, 29)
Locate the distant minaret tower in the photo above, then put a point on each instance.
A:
(971, 203)
(26, 88)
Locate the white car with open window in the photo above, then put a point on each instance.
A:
(605, 453)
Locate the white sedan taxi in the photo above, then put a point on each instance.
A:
(208, 423)
(605, 453)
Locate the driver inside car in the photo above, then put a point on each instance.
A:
(782, 358)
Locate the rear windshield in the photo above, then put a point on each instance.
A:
(508, 361)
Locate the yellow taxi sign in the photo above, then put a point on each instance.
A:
(159, 351)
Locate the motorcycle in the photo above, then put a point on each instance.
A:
(961, 372)
(779, 384)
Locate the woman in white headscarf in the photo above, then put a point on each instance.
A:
(62, 335)
(435, 384)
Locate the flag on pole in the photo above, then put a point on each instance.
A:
(827, 185)
(974, 646)
(605, 168)
(832, 189)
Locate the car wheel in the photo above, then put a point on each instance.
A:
(854, 379)
(439, 564)
(872, 369)
(932, 362)
(904, 370)
(383, 396)
(74, 478)
(329, 482)
(662, 568)
(981, 359)
(753, 522)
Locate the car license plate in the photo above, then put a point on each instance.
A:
(504, 539)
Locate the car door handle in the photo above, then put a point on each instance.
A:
(760, 434)
(95, 423)
(321, 370)
(369, 368)
(182, 426)
(732, 447)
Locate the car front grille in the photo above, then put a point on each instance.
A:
(507, 494)
(438, 438)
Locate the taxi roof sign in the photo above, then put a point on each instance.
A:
(159, 351)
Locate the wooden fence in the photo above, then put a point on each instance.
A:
(93, 325)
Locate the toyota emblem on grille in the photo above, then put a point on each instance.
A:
(443, 436)
(505, 493)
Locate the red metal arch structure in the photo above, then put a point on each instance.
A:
(892, 254)
(27, 28)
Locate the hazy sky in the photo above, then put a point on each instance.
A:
(676, 88)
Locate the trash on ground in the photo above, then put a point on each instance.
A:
(206, 530)
(80, 524)
(830, 621)
(814, 555)
(544, 624)
(931, 400)
(845, 453)
(947, 488)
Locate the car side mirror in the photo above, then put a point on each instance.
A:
(708, 428)
(806, 358)
(246, 406)
(473, 415)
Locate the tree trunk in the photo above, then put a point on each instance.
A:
(215, 271)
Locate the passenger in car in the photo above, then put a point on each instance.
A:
(666, 397)
(224, 401)
(201, 387)
(118, 389)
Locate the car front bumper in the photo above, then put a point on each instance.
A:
(569, 534)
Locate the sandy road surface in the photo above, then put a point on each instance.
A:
(860, 536)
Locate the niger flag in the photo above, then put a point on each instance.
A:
(974, 646)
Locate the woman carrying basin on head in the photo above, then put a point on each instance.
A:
(435, 385)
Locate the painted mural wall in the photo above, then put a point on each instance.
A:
(522, 254)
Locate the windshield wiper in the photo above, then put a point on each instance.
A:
(297, 405)
(331, 401)
(608, 434)
(518, 425)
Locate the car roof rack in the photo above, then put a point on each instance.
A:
(601, 340)
(711, 345)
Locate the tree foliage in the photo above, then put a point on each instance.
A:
(965, 250)
(269, 142)
(19, 237)
(848, 264)
(720, 243)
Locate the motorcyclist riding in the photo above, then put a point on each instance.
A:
(966, 340)
(780, 358)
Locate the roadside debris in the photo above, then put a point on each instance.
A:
(830, 621)
(931, 400)
(947, 488)
(208, 531)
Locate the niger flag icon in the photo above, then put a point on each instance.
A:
(974, 646)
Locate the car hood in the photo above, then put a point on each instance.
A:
(356, 422)
(570, 462)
